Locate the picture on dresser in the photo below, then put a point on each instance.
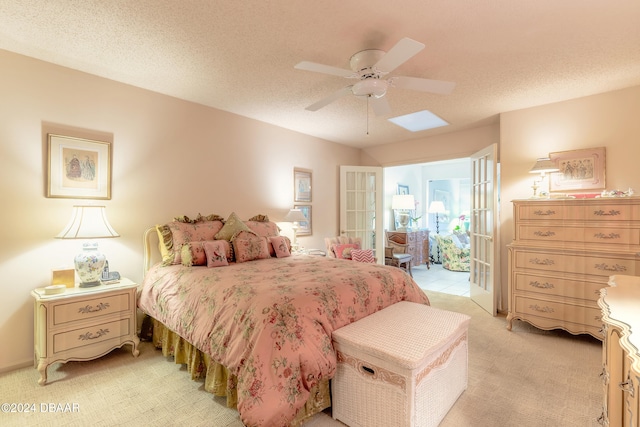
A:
(579, 170)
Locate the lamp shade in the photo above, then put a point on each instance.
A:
(436, 207)
(88, 222)
(403, 202)
(295, 215)
(544, 165)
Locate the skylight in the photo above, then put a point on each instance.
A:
(421, 120)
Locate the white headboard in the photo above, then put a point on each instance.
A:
(150, 244)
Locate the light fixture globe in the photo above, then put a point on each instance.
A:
(370, 87)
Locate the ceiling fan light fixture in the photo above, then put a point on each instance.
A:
(370, 87)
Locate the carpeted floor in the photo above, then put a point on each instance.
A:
(526, 377)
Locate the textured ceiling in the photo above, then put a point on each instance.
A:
(238, 56)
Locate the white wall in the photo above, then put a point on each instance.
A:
(170, 158)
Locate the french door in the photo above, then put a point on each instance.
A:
(485, 261)
(361, 206)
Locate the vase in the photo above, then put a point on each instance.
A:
(89, 265)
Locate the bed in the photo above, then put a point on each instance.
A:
(257, 326)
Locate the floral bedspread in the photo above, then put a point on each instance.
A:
(270, 321)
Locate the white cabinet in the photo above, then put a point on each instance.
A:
(563, 252)
(83, 323)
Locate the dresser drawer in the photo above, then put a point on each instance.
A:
(550, 261)
(625, 237)
(94, 334)
(577, 210)
(90, 308)
(551, 285)
(560, 311)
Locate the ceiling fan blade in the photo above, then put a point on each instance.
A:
(400, 53)
(325, 69)
(329, 99)
(424, 85)
(380, 105)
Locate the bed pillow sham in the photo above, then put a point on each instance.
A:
(249, 247)
(175, 234)
(216, 253)
(232, 226)
(280, 246)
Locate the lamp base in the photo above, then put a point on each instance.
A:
(89, 265)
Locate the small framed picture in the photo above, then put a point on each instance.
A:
(78, 168)
(301, 185)
(304, 227)
(403, 189)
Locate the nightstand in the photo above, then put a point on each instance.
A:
(83, 323)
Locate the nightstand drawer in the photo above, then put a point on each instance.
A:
(74, 311)
(95, 334)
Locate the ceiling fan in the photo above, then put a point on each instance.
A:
(370, 67)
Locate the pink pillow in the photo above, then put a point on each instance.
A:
(362, 255)
(344, 251)
(280, 246)
(216, 251)
(192, 253)
(249, 248)
(183, 233)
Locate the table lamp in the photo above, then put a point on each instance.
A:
(296, 217)
(542, 166)
(88, 222)
(403, 203)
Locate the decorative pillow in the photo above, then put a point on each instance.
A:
(216, 253)
(177, 233)
(249, 248)
(231, 227)
(279, 245)
(192, 253)
(344, 251)
(362, 255)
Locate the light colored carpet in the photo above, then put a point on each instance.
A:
(526, 377)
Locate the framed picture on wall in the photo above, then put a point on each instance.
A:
(304, 227)
(301, 185)
(403, 189)
(78, 168)
(579, 170)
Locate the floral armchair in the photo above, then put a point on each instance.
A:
(456, 255)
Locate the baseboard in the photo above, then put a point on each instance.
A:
(26, 363)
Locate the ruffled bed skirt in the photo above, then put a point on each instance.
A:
(217, 378)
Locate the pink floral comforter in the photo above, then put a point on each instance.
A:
(270, 321)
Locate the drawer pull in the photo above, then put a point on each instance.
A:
(616, 267)
(627, 386)
(545, 285)
(611, 212)
(544, 233)
(602, 419)
(545, 309)
(606, 236)
(538, 261)
(91, 309)
(540, 212)
(604, 375)
(89, 335)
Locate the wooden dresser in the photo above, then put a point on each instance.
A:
(563, 252)
(621, 352)
(417, 241)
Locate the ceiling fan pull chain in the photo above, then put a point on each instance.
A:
(368, 96)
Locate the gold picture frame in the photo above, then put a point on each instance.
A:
(579, 170)
(301, 185)
(78, 168)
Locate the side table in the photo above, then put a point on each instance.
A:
(83, 323)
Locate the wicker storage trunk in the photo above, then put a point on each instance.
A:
(405, 365)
